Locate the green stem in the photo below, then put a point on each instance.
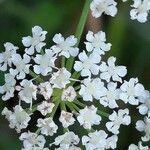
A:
(55, 108)
(98, 111)
(38, 79)
(79, 30)
(63, 106)
(63, 61)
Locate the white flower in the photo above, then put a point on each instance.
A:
(68, 94)
(124, 0)
(8, 88)
(67, 141)
(27, 91)
(32, 141)
(44, 62)
(139, 147)
(60, 78)
(92, 88)
(88, 117)
(140, 11)
(112, 142)
(131, 91)
(87, 65)
(144, 126)
(96, 42)
(110, 70)
(46, 90)
(98, 141)
(5, 57)
(47, 126)
(35, 42)
(22, 66)
(144, 107)
(45, 108)
(18, 119)
(65, 47)
(112, 95)
(117, 119)
(66, 119)
(103, 6)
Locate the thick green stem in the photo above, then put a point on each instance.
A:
(79, 30)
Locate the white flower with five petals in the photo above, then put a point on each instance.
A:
(144, 126)
(65, 47)
(60, 78)
(103, 6)
(44, 63)
(131, 91)
(87, 65)
(112, 95)
(47, 126)
(87, 117)
(45, 108)
(5, 57)
(96, 42)
(117, 119)
(22, 66)
(92, 88)
(18, 119)
(8, 88)
(140, 10)
(36, 42)
(33, 141)
(27, 91)
(111, 71)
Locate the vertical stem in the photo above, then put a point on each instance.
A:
(63, 61)
(79, 30)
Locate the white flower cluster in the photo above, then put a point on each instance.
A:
(35, 80)
(139, 12)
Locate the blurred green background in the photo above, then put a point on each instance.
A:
(130, 44)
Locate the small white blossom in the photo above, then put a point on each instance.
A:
(96, 42)
(87, 65)
(67, 141)
(60, 78)
(8, 88)
(5, 57)
(18, 119)
(22, 66)
(140, 10)
(111, 71)
(131, 91)
(144, 126)
(139, 147)
(117, 119)
(46, 90)
(44, 62)
(68, 94)
(32, 141)
(65, 47)
(112, 142)
(112, 95)
(92, 88)
(45, 108)
(27, 91)
(103, 6)
(88, 117)
(144, 107)
(98, 141)
(66, 119)
(47, 126)
(36, 42)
